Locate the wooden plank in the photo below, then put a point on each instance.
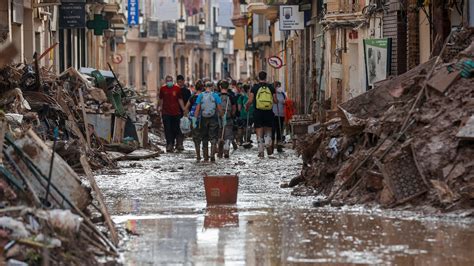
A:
(119, 129)
(72, 120)
(84, 117)
(467, 131)
(100, 199)
(62, 176)
(443, 79)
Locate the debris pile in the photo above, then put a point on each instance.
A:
(52, 127)
(45, 208)
(117, 118)
(410, 139)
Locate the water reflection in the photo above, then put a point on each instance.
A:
(221, 216)
(228, 235)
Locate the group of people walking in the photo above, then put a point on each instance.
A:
(221, 115)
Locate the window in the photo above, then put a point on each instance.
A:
(38, 43)
(131, 71)
(144, 70)
(162, 67)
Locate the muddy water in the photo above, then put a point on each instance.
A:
(162, 203)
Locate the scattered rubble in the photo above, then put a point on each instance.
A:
(51, 128)
(407, 140)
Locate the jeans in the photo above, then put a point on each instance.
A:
(171, 126)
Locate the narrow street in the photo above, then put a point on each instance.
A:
(161, 204)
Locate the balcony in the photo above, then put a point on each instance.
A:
(192, 34)
(262, 8)
(343, 6)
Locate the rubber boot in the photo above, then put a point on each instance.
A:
(261, 148)
(268, 144)
(227, 148)
(234, 145)
(197, 146)
(279, 147)
(179, 143)
(240, 136)
(205, 151)
(220, 149)
(213, 152)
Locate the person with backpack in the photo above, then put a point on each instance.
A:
(171, 103)
(246, 117)
(263, 96)
(279, 120)
(208, 109)
(226, 132)
(191, 108)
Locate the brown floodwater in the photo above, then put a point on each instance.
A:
(161, 209)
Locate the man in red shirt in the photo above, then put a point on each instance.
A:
(171, 103)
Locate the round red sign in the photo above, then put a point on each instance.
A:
(275, 62)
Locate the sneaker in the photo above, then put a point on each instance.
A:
(179, 148)
(169, 149)
(261, 155)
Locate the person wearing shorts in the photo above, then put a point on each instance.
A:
(263, 118)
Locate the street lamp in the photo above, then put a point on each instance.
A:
(232, 31)
(218, 29)
(181, 23)
(202, 24)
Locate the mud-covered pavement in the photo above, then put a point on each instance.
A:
(162, 203)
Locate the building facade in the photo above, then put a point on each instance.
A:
(333, 58)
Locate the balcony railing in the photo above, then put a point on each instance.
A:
(192, 34)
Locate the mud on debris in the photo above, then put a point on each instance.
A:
(410, 139)
(51, 128)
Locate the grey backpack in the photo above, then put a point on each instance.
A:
(208, 105)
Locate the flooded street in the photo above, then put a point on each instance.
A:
(162, 203)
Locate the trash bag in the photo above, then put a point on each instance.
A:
(17, 229)
(64, 220)
(185, 125)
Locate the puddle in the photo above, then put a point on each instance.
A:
(169, 223)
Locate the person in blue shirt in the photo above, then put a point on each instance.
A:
(208, 110)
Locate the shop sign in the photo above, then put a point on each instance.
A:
(133, 13)
(72, 15)
(291, 18)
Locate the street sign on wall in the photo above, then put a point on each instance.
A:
(275, 62)
(72, 15)
(133, 12)
(291, 18)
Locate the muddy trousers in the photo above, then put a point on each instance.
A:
(226, 136)
(171, 127)
(197, 143)
(209, 128)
